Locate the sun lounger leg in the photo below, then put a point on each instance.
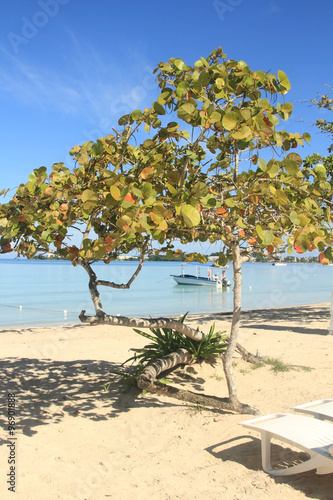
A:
(315, 461)
(266, 451)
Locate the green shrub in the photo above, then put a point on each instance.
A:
(166, 340)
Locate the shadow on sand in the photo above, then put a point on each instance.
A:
(46, 390)
(290, 316)
(246, 450)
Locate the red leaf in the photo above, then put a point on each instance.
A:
(129, 198)
(222, 212)
(298, 249)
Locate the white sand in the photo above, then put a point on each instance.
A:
(75, 441)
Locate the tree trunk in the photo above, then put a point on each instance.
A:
(94, 282)
(93, 288)
(227, 357)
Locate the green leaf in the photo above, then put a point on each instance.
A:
(243, 133)
(89, 195)
(169, 254)
(281, 197)
(241, 223)
(294, 218)
(259, 231)
(264, 103)
(267, 237)
(123, 120)
(262, 164)
(158, 108)
(182, 89)
(179, 63)
(230, 120)
(188, 108)
(32, 177)
(164, 381)
(204, 62)
(230, 202)
(186, 111)
(115, 193)
(303, 220)
(290, 166)
(164, 97)
(136, 114)
(215, 117)
(272, 168)
(284, 81)
(285, 110)
(220, 83)
(320, 170)
(190, 215)
(295, 158)
(204, 78)
(306, 137)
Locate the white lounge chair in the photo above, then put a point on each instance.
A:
(310, 435)
(321, 409)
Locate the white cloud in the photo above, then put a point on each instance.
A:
(82, 80)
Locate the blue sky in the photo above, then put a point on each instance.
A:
(69, 69)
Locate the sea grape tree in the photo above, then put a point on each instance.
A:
(261, 197)
(207, 162)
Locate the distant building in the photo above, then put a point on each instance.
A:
(127, 257)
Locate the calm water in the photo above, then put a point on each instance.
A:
(36, 293)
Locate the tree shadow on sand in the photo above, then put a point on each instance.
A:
(248, 454)
(297, 319)
(45, 391)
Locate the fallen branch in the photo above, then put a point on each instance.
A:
(247, 356)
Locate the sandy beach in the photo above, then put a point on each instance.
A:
(74, 440)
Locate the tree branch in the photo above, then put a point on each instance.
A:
(134, 275)
(144, 323)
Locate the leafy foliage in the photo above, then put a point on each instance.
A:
(165, 341)
(322, 166)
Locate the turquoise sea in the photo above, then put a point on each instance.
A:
(36, 293)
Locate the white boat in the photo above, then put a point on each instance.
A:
(197, 280)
